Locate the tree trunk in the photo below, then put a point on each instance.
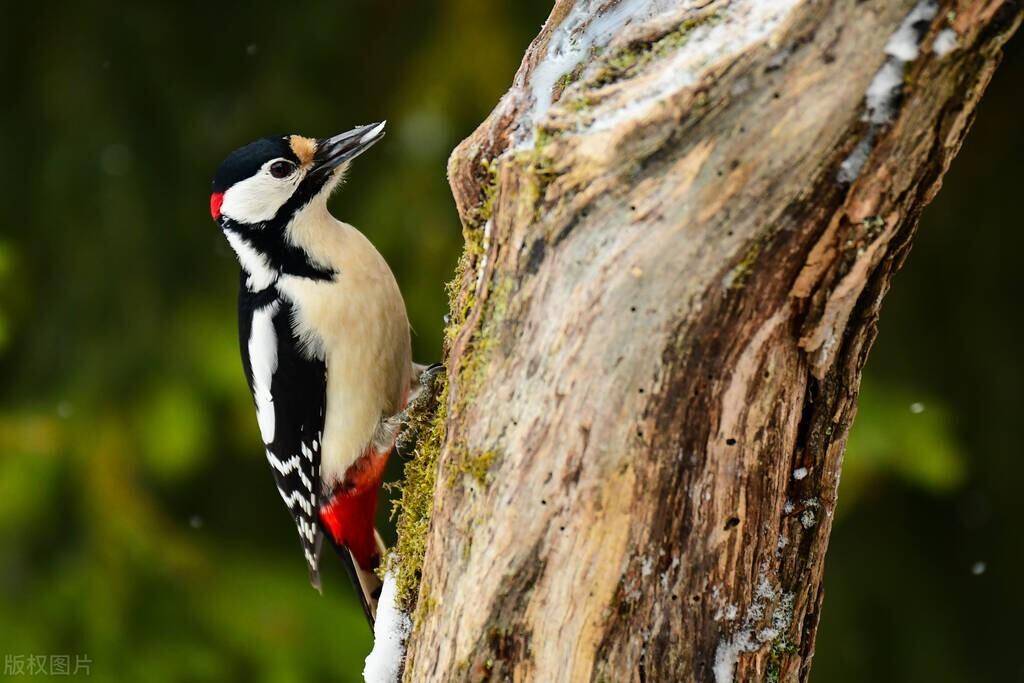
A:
(681, 221)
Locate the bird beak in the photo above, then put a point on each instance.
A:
(335, 151)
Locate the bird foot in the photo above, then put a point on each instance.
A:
(420, 408)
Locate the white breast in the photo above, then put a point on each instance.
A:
(358, 325)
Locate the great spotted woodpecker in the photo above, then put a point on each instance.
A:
(324, 339)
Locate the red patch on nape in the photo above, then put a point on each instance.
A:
(216, 199)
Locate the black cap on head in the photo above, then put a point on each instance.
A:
(245, 161)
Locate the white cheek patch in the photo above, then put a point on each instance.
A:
(258, 198)
(263, 360)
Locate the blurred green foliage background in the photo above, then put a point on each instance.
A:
(138, 523)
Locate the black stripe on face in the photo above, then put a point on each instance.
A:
(268, 237)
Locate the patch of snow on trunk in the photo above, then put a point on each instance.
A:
(742, 25)
(390, 631)
(882, 99)
(590, 26)
(945, 42)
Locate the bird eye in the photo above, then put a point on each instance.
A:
(281, 169)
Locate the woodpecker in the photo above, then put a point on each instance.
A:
(324, 339)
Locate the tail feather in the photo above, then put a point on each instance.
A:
(365, 580)
(347, 519)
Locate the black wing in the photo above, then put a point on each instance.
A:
(290, 409)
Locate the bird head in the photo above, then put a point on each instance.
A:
(270, 179)
(260, 188)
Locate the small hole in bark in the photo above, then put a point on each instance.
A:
(632, 208)
(730, 442)
(561, 528)
(767, 374)
(543, 501)
(640, 390)
(732, 523)
(775, 95)
(632, 309)
(695, 598)
(719, 173)
(743, 129)
(734, 163)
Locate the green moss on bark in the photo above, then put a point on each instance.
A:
(415, 504)
(473, 465)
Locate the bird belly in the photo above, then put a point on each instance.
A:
(358, 325)
(359, 397)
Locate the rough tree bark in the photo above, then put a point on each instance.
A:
(681, 221)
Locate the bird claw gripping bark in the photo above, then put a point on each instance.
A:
(420, 409)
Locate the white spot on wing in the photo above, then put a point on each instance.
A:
(290, 499)
(263, 359)
(306, 529)
(289, 465)
(284, 467)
